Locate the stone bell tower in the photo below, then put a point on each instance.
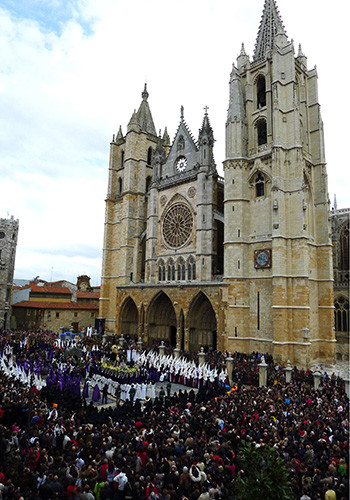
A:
(278, 254)
(130, 176)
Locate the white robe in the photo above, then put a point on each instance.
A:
(127, 392)
(138, 394)
(122, 392)
(153, 391)
(143, 391)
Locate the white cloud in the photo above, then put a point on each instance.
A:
(63, 94)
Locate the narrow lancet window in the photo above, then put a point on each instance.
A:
(261, 129)
(260, 185)
(149, 156)
(120, 186)
(261, 92)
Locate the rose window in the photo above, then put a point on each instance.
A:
(177, 225)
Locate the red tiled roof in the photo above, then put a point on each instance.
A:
(88, 295)
(29, 304)
(51, 289)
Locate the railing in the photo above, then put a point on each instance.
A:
(342, 279)
(260, 149)
(337, 211)
(183, 176)
(218, 277)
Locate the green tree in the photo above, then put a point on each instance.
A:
(263, 475)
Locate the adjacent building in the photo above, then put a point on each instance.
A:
(42, 305)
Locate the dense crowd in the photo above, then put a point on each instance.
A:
(56, 445)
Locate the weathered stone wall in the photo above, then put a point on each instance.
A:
(8, 245)
(35, 319)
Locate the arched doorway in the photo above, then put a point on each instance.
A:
(202, 323)
(129, 318)
(162, 320)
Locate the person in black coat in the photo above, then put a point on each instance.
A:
(104, 394)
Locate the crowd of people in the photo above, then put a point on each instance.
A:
(56, 444)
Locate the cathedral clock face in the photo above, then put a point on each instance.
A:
(177, 225)
(262, 258)
(181, 164)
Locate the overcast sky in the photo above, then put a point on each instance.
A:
(72, 71)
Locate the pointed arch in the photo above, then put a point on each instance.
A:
(259, 184)
(180, 146)
(261, 131)
(177, 198)
(260, 181)
(161, 270)
(191, 268)
(129, 317)
(148, 183)
(181, 269)
(259, 166)
(161, 319)
(307, 179)
(341, 314)
(202, 323)
(120, 186)
(149, 156)
(171, 271)
(260, 89)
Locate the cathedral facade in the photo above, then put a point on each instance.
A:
(240, 263)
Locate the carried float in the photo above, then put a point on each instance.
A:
(117, 364)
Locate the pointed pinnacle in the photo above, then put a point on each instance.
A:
(243, 52)
(145, 94)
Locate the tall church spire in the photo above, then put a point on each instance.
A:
(206, 132)
(206, 142)
(270, 25)
(142, 120)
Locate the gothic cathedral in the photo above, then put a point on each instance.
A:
(240, 263)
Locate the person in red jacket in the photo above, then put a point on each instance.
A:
(151, 491)
(103, 470)
(142, 453)
(71, 489)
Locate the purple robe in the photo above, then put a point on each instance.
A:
(86, 389)
(96, 395)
